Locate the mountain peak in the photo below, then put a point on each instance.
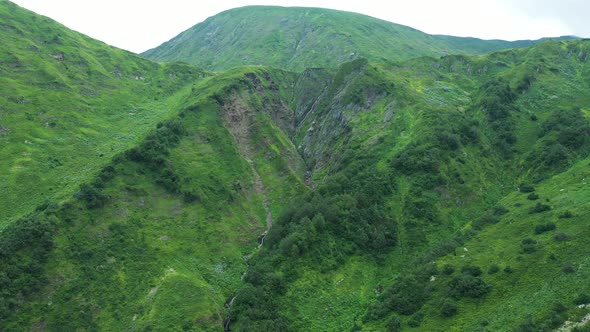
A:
(299, 37)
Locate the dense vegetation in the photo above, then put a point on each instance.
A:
(434, 194)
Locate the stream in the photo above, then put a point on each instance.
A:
(261, 238)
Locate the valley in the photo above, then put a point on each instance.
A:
(437, 186)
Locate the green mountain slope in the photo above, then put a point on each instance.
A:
(68, 104)
(299, 38)
(160, 238)
(435, 194)
(424, 172)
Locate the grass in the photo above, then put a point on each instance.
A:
(161, 241)
(63, 118)
(509, 302)
(299, 38)
(488, 179)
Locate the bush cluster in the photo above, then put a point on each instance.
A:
(540, 229)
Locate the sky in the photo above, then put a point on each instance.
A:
(138, 25)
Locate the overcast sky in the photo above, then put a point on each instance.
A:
(138, 25)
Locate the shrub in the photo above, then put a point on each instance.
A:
(394, 324)
(565, 215)
(568, 268)
(554, 155)
(407, 296)
(376, 310)
(500, 210)
(416, 320)
(448, 141)
(540, 229)
(528, 246)
(169, 180)
(418, 158)
(468, 286)
(508, 269)
(493, 269)
(190, 196)
(532, 196)
(469, 133)
(25, 247)
(526, 188)
(471, 270)
(581, 299)
(539, 207)
(448, 269)
(448, 308)
(93, 197)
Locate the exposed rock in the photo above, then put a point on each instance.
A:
(59, 56)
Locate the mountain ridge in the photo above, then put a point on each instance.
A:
(300, 37)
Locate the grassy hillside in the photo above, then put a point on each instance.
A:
(299, 38)
(160, 238)
(68, 104)
(431, 157)
(435, 194)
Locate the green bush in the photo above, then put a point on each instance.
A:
(447, 141)
(540, 229)
(539, 207)
(394, 324)
(496, 99)
(154, 149)
(376, 311)
(448, 269)
(500, 210)
(416, 320)
(418, 158)
(532, 196)
(566, 215)
(471, 270)
(468, 285)
(568, 268)
(469, 133)
(92, 196)
(494, 268)
(554, 155)
(407, 295)
(572, 127)
(528, 246)
(526, 188)
(25, 246)
(448, 308)
(581, 299)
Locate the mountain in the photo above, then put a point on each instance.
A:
(432, 194)
(68, 104)
(449, 191)
(125, 184)
(298, 38)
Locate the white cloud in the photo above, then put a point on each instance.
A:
(138, 25)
